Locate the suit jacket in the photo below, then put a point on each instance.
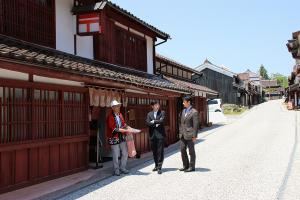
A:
(156, 132)
(189, 124)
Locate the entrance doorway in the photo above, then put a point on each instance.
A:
(99, 150)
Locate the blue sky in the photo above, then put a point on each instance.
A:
(239, 34)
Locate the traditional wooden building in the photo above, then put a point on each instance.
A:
(58, 72)
(272, 90)
(222, 80)
(252, 86)
(172, 68)
(294, 79)
(185, 76)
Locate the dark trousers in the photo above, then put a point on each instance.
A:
(184, 144)
(157, 146)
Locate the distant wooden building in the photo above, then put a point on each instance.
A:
(252, 86)
(184, 76)
(272, 90)
(172, 68)
(222, 80)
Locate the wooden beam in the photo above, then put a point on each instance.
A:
(44, 142)
(146, 96)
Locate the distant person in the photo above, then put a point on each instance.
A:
(116, 138)
(155, 121)
(188, 132)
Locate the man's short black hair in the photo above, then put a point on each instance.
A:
(154, 102)
(187, 98)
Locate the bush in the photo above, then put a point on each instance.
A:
(233, 109)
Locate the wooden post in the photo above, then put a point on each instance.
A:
(1, 137)
(296, 103)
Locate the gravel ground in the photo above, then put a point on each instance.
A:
(254, 157)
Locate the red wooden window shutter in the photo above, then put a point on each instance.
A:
(88, 23)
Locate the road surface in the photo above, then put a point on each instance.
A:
(254, 158)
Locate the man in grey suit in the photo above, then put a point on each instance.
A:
(155, 121)
(188, 132)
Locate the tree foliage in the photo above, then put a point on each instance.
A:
(263, 73)
(281, 79)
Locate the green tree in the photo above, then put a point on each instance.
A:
(281, 80)
(263, 73)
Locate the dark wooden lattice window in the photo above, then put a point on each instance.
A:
(30, 20)
(131, 50)
(28, 113)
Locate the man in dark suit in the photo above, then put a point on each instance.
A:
(188, 132)
(155, 121)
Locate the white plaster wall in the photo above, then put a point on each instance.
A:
(65, 26)
(149, 55)
(85, 46)
(66, 29)
(8, 74)
(42, 79)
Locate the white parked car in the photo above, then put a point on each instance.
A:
(214, 105)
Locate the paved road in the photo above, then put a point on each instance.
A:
(254, 157)
(217, 118)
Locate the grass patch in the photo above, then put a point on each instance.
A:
(231, 109)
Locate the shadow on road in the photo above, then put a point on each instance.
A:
(214, 126)
(198, 169)
(164, 170)
(134, 171)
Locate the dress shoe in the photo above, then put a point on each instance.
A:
(190, 169)
(117, 173)
(159, 171)
(155, 169)
(183, 169)
(124, 171)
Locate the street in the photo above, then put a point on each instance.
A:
(217, 118)
(254, 157)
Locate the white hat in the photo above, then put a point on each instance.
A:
(114, 103)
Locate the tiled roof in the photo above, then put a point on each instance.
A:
(206, 61)
(252, 74)
(248, 75)
(269, 83)
(56, 60)
(243, 76)
(102, 4)
(192, 86)
(211, 66)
